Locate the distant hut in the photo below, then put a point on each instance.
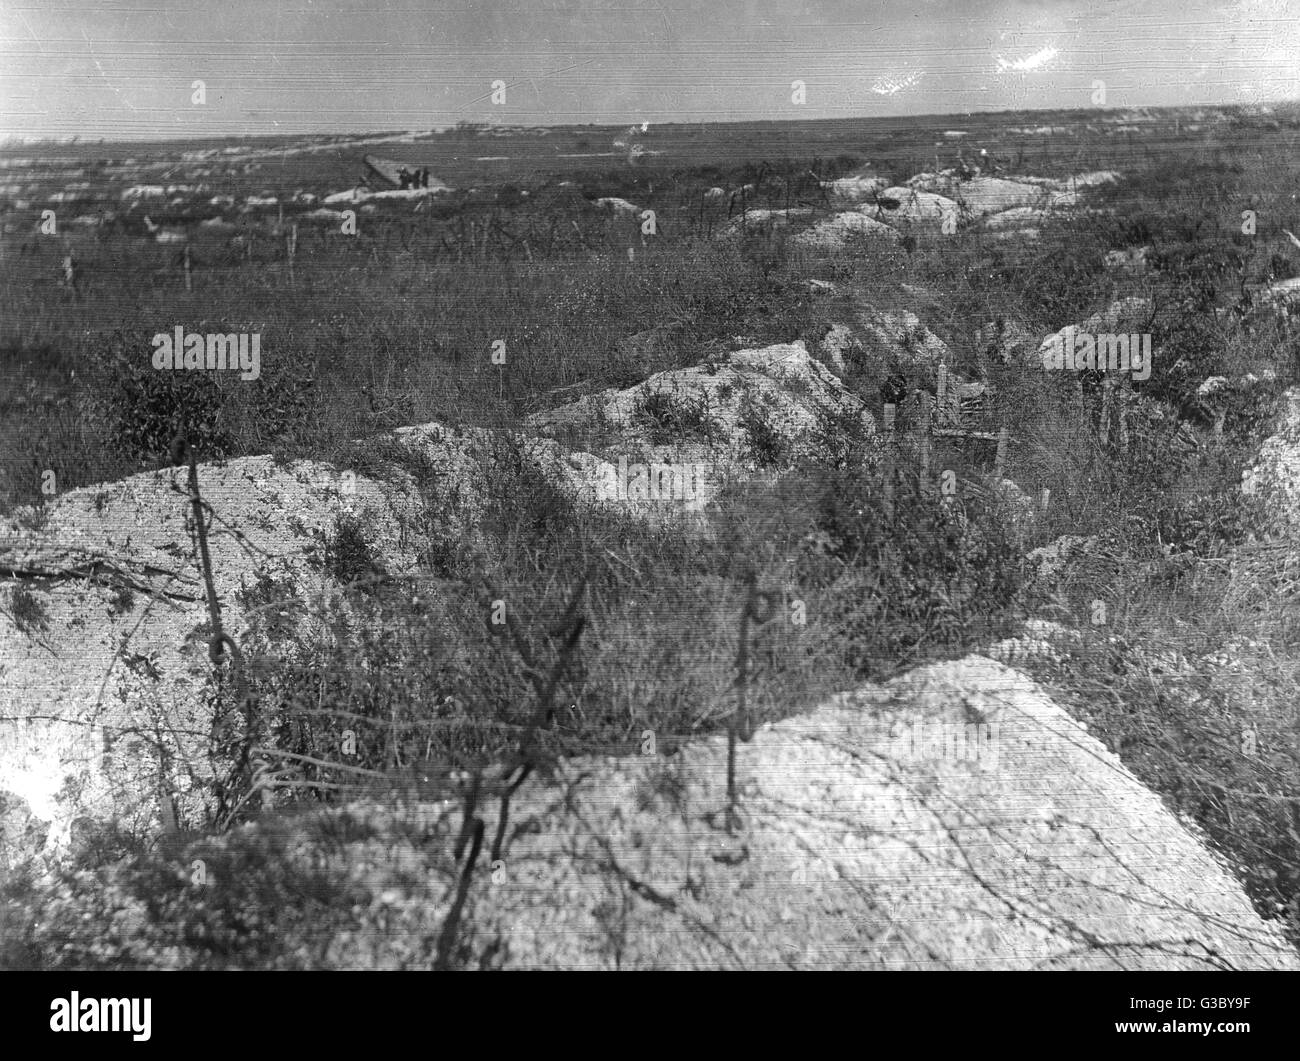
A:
(388, 173)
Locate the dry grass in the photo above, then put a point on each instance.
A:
(429, 680)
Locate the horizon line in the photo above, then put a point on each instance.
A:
(19, 139)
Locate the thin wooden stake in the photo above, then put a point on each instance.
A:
(945, 414)
(1107, 403)
(926, 428)
(291, 248)
(887, 469)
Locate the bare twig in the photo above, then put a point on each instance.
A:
(760, 606)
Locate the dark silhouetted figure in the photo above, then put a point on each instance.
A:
(894, 390)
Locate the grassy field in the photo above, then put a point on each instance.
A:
(396, 325)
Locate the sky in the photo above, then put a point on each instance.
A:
(126, 69)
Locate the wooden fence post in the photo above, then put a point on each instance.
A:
(887, 463)
(926, 429)
(1123, 411)
(291, 248)
(1107, 407)
(185, 265)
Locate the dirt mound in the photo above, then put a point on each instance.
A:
(985, 195)
(918, 208)
(898, 338)
(109, 637)
(842, 229)
(760, 220)
(108, 630)
(955, 818)
(767, 407)
(855, 189)
(1274, 479)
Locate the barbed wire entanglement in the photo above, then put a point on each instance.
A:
(227, 743)
(510, 510)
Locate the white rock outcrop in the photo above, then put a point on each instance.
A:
(955, 818)
(855, 189)
(121, 642)
(761, 220)
(837, 342)
(917, 207)
(842, 230)
(899, 339)
(986, 195)
(1273, 479)
(618, 206)
(1125, 316)
(754, 407)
